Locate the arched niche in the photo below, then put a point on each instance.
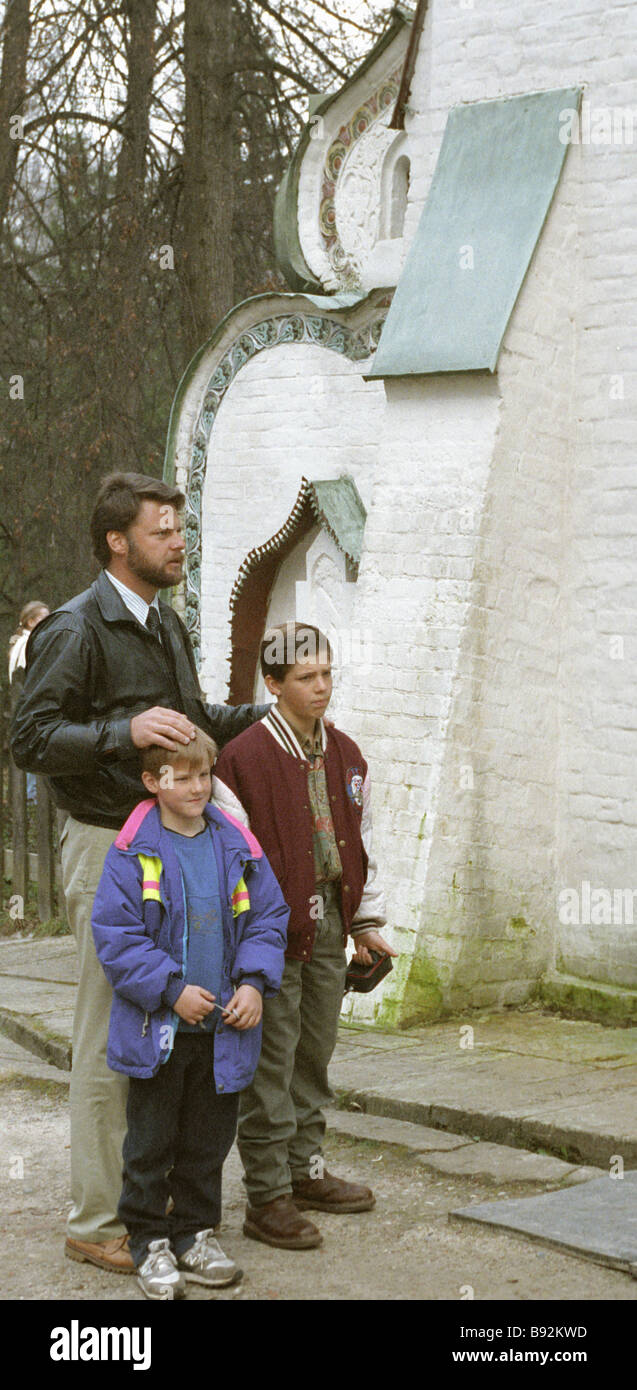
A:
(394, 189)
(304, 572)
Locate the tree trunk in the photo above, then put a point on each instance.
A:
(205, 263)
(17, 29)
(128, 251)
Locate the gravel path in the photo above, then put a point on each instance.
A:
(404, 1249)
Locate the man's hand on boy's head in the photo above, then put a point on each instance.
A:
(245, 1008)
(370, 940)
(167, 727)
(194, 1004)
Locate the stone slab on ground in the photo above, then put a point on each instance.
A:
(501, 1164)
(530, 1031)
(417, 1138)
(40, 958)
(19, 1064)
(584, 1133)
(39, 1017)
(597, 1219)
(37, 995)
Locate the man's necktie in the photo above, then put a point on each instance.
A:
(153, 623)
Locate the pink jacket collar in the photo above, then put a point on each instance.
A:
(137, 817)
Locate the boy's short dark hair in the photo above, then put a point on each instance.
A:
(286, 643)
(118, 502)
(200, 748)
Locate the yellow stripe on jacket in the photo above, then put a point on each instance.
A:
(151, 874)
(240, 898)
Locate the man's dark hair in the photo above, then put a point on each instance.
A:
(118, 502)
(287, 643)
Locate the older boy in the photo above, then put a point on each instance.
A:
(187, 912)
(304, 789)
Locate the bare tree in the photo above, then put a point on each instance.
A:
(206, 267)
(125, 278)
(15, 46)
(146, 124)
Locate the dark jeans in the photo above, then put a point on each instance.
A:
(178, 1122)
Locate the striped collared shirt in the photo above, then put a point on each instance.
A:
(134, 602)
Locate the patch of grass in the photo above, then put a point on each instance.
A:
(56, 926)
(37, 1085)
(28, 923)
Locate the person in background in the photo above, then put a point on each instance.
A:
(32, 614)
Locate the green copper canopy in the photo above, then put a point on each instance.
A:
(338, 506)
(497, 171)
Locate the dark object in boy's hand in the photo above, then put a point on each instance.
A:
(362, 978)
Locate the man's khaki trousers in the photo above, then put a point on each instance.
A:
(98, 1095)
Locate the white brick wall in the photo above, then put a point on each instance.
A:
(294, 411)
(558, 530)
(500, 558)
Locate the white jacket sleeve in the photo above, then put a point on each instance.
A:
(225, 799)
(372, 911)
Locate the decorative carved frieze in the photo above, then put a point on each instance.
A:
(350, 206)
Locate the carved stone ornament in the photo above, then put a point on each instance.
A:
(350, 207)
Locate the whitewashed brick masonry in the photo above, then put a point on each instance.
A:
(499, 567)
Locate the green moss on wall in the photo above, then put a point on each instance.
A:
(416, 995)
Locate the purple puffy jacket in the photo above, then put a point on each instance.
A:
(139, 926)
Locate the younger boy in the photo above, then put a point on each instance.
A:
(187, 912)
(304, 789)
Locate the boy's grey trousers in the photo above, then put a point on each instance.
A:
(281, 1124)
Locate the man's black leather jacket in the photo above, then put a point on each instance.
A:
(90, 667)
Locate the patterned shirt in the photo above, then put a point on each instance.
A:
(327, 860)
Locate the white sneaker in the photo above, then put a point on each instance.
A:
(159, 1276)
(205, 1263)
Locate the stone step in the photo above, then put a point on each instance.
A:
(459, 1154)
(581, 1140)
(589, 999)
(37, 1037)
(19, 1065)
(417, 1138)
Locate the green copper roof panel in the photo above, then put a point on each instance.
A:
(496, 174)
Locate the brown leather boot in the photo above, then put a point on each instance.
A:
(332, 1194)
(280, 1223)
(113, 1255)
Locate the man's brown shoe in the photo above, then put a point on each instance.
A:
(280, 1223)
(109, 1254)
(332, 1194)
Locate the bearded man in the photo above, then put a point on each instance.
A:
(110, 672)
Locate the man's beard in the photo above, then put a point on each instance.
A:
(144, 569)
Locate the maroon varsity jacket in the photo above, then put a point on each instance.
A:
(271, 785)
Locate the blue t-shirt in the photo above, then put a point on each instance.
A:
(204, 960)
